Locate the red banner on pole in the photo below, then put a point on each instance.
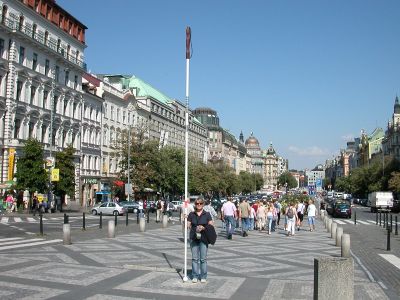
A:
(188, 41)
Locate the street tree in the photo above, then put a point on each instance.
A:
(31, 174)
(394, 182)
(287, 178)
(65, 162)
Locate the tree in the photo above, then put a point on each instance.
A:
(343, 184)
(171, 170)
(65, 162)
(394, 182)
(31, 174)
(288, 178)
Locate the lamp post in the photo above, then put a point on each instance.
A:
(129, 162)
(188, 45)
(51, 160)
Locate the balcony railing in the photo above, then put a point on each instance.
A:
(40, 38)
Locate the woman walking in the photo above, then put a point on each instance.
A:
(260, 216)
(291, 219)
(270, 216)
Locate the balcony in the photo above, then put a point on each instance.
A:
(51, 44)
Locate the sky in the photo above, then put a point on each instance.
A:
(306, 76)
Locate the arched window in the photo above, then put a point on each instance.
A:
(46, 37)
(21, 23)
(34, 29)
(4, 14)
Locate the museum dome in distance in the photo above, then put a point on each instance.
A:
(252, 141)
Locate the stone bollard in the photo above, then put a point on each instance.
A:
(333, 278)
(345, 245)
(333, 230)
(339, 233)
(111, 229)
(67, 234)
(142, 224)
(164, 221)
(329, 227)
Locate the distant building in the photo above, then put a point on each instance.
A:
(391, 141)
(254, 152)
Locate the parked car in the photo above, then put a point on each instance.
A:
(108, 208)
(130, 206)
(341, 208)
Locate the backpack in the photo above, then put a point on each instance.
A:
(289, 213)
(159, 205)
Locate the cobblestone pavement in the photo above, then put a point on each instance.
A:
(149, 265)
(369, 244)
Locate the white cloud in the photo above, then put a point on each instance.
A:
(309, 151)
(348, 137)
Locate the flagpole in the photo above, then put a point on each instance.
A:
(188, 41)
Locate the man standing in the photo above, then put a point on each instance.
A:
(159, 210)
(311, 213)
(244, 213)
(228, 214)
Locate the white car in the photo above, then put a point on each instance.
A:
(108, 208)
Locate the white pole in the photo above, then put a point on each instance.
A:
(188, 37)
(129, 161)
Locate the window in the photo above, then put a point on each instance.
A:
(57, 74)
(21, 55)
(46, 67)
(31, 128)
(76, 82)
(1, 47)
(65, 107)
(55, 102)
(105, 110)
(45, 95)
(34, 28)
(66, 78)
(34, 61)
(17, 126)
(19, 89)
(33, 92)
(112, 113)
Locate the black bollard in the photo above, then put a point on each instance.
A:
(83, 222)
(376, 218)
(391, 223)
(148, 216)
(355, 217)
(388, 240)
(101, 220)
(180, 215)
(380, 219)
(115, 221)
(395, 226)
(126, 219)
(41, 224)
(65, 219)
(137, 217)
(387, 220)
(384, 220)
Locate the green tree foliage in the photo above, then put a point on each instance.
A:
(343, 184)
(394, 182)
(65, 162)
(247, 183)
(288, 178)
(31, 174)
(171, 170)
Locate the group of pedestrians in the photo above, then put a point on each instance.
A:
(266, 215)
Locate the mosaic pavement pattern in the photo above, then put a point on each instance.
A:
(149, 265)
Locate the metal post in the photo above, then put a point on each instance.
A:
(148, 216)
(65, 219)
(355, 217)
(41, 224)
(83, 222)
(101, 220)
(376, 218)
(137, 217)
(115, 221)
(391, 223)
(388, 240)
(395, 226)
(384, 220)
(380, 219)
(387, 220)
(126, 218)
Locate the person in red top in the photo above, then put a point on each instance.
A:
(255, 206)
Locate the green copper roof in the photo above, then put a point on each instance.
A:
(146, 90)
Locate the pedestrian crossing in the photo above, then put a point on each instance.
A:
(362, 222)
(19, 242)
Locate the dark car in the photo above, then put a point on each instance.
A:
(341, 209)
(130, 206)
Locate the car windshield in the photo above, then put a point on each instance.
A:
(342, 205)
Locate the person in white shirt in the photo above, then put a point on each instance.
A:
(300, 214)
(228, 214)
(311, 213)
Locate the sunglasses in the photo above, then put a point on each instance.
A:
(198, 203)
